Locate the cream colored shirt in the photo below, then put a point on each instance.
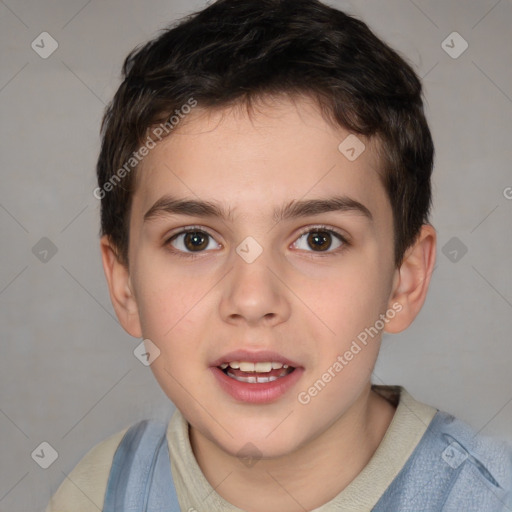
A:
(84, 488)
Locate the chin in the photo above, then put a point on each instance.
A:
(259, 439)
(260, 448)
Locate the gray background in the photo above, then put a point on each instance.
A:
(68, 375)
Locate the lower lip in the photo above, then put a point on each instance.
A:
(264, 392)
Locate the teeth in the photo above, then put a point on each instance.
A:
(253, 379)
(266, 379)
(260, 367)
(246, 367)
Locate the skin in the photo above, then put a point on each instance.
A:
(305, 304)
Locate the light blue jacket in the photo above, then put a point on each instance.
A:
(452, 469)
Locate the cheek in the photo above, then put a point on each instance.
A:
(349, 300)
(171, 322)
(173, 310)
(169, 298)
(172, 327)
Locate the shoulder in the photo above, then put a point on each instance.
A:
(455, 468)
(477, 468)
(84, 488)
(460, 443)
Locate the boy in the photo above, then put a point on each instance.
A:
(264, 180)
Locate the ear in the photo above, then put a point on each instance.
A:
(412, 279)
(120, 288)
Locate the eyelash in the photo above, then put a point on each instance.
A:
(319, 228)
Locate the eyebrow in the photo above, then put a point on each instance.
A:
(169, 205)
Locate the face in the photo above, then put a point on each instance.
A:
(294, 289)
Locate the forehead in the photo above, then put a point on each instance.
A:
(252, 161)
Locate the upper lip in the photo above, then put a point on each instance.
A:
(254, 357)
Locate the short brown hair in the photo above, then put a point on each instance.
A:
(235, 51)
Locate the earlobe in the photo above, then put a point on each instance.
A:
(120, 288)
(412, 280)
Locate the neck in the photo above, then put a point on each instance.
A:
(308, 477)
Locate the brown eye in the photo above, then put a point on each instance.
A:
(195, 240)
(191, 241)
(320, 240)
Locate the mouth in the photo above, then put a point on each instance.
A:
(264, 378)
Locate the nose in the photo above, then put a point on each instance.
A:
(254, 294)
